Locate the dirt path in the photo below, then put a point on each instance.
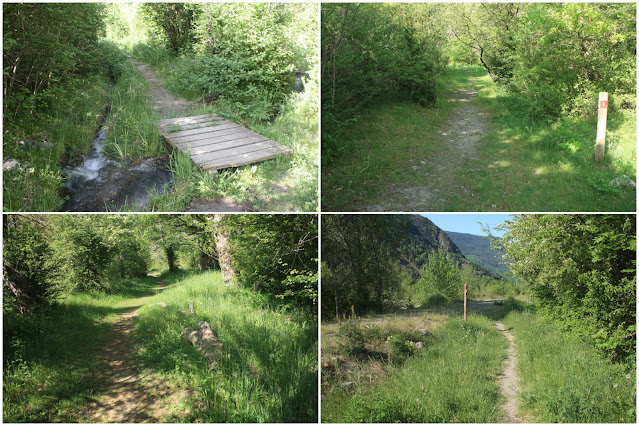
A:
(127, 396)
(509, 380)
(441, 178)
(163, 102)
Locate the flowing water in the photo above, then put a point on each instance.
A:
(100, 184)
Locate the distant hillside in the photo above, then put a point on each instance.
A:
(477, 249)
(426, 237)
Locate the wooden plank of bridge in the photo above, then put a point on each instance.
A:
(215, 143)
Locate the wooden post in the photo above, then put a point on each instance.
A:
(465, 299)
(600, 146)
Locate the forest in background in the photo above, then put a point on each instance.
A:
(68, 278)
(66, 69)
(545, 63)
(579, 270)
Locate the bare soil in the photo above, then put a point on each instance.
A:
(509, 380)
(163, 102)
(127, 396)
(459, 137)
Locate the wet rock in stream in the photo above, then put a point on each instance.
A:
(117, 186)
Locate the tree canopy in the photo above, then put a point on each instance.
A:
(582, 271)
(47, 256)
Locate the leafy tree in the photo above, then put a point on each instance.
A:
(44, 44)
(441, 275)
(26, 265)
(582, 271)
(372, 53)
(275, 254)
(174, 23)
(81, 251)
(359, 253)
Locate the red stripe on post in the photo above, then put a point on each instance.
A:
(603, 104)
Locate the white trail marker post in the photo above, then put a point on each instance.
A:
(600, 146)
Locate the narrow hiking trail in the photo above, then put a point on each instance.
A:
(509, 379)
(127, 396)
(443, 178)
(163, 102)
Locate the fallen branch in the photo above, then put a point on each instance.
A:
(205, 341)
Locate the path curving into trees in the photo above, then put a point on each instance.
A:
(509, 379)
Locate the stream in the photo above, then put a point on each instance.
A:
(99, 184)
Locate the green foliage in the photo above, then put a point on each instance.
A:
(277, 255)
(360, 253)
(268, 371)
(27, 284)
(583, 49)
(556, 57)
(44, 44)
(441, 275)
(173, 23)
(437, 299)
(81, 252)
(351, 339)
(399, 349)
(372, 52)
(563, 380)
(582, 270)
(432, 388)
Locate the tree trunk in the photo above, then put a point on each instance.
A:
(19, 286)
(171, 258)
(225, 257)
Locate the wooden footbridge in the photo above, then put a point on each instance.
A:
(215, 143)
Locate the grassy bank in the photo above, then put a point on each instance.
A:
(268, 372)
(563, 380)
(50, 358)
(384, 142)
(61, 127)
(535, 165)
(431, 387)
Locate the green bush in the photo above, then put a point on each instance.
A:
(436, 300)
(351, 339)
(399, 348)
(372, 53)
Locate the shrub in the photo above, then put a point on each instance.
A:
(437, 299)
(399, 348)
(351, 339)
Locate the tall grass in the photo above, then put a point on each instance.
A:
(132, 131)
(50, 358)
(60, 126)
(563, 380)
(268, 372)
(453, 380)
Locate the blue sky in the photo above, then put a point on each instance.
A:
(467, 223)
